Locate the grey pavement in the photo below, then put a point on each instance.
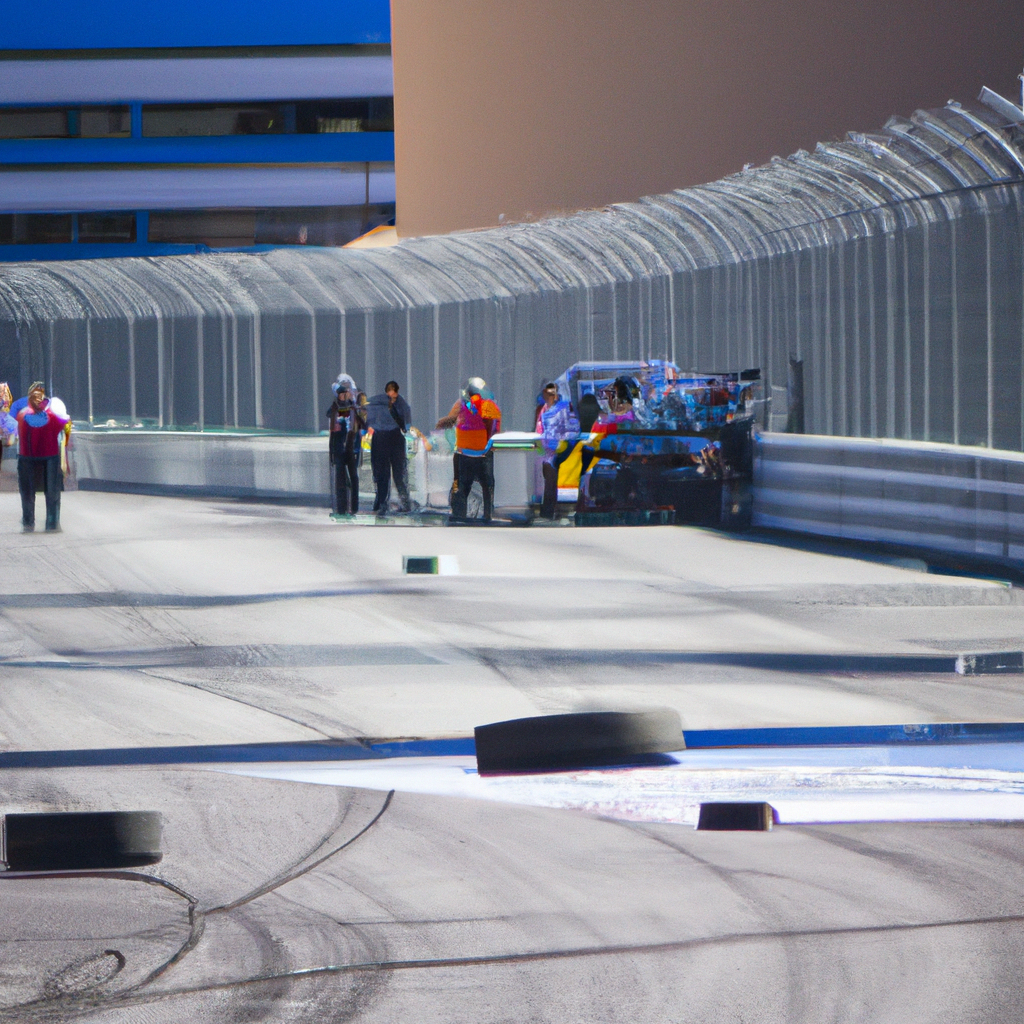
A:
(155, 621)
(158, 621)
(283, 902)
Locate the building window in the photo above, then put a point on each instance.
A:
(219, 229)
(339, 124)
(319, 225)
(235, 229)
(373, 114)
(196, 119)
(64, 122)
(35, 228)
(105, 123)
(306, 117)
(106, 227)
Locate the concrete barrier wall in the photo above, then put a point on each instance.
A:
(931, 497)
(260, 467)
(224, 465)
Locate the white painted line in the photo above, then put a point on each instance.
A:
(856, 789)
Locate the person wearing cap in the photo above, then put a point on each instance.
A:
(389, 416)
(476, 418)
(39, 457)
(346, 424)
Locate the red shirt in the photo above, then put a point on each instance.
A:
(42, 441)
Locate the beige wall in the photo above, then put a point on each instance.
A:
(514, 109)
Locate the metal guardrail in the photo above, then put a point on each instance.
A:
(913, 494)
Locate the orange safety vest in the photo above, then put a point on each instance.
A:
(477, 420)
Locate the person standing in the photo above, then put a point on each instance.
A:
(559, 428)
(389, 416)
(347, 421)
(8, 424)
(476, 418)
(39, 432)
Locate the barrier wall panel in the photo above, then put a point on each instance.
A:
(910, 494)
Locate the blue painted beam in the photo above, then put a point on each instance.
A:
(132, 24)
(111, 250)
(93, 250)
(340, 750)
(328, 147)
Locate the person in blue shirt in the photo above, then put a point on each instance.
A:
(559, 428)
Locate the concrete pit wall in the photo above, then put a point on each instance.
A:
(931, 498)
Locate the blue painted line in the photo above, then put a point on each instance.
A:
(214, 754)
(464, 746)
(229, 753)
(857, 735)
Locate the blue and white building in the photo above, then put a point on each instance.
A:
(146, 128)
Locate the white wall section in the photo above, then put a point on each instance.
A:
(194, 188)
(193, 79)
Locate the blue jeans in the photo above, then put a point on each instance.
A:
(31, 472)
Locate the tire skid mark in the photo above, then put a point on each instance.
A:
(134, 995)
(581, 952)
(91, 1001)
(285, 877)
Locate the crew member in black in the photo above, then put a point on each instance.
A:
(347, 422)
(390, 417)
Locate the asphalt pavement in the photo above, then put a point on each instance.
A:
(154, 622)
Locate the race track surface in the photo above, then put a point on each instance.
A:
(153, 622)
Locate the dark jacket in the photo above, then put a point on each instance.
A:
(346, 425)
(382, 415)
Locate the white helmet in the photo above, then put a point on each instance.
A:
(344, 383)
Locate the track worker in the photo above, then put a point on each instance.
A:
(559, 428)
(346, 424)
(39, 432)
(476, 418)
(389, 416)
